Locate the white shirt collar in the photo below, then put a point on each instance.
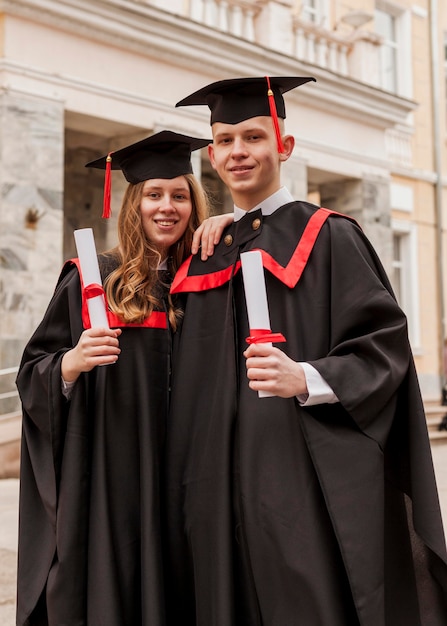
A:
(163, 265)
(267, 206)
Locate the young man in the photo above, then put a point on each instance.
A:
(316, 506)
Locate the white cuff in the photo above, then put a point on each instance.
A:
(67, 388)
(319, 392)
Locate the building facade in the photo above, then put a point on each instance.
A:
(79, 78)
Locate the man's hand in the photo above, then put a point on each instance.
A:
(209, 233)
(270, 369)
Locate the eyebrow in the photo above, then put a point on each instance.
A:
(254, 129)
(151, 187)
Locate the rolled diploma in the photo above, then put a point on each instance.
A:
(88, 260)
(256, 296)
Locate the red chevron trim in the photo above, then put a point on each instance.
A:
(182, 282)
(291, 274)
(288, 275)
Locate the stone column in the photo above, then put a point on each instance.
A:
(84, 195)
(196, 162)
(368, 201)
(294, 177)
(31, 216)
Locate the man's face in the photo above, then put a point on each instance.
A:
(245, 156)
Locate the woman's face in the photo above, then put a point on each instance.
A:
(166, 207)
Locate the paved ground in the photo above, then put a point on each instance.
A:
(9, 491)
(439, 452)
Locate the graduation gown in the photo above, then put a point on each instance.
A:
(89, 531)
(285, 515)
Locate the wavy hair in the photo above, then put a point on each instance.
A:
(134, 289)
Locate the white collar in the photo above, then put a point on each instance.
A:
(267, 206)
(163, 264)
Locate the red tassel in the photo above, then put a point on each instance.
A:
(274, 115)
(106, 210)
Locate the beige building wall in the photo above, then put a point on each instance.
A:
(80, 78)
(421, 176)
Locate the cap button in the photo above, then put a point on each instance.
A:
(228, 240)
(256, 223)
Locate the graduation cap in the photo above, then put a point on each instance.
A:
(237, 99)
(163, 155)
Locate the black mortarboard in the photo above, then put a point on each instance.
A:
(234, 100)
(163, 155)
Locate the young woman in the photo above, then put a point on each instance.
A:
(91, 533)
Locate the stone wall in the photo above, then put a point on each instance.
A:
(31, 216)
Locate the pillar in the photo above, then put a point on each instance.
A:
(294, 177)
(368, 201)
(31, 215)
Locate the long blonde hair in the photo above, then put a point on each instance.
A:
(134, 289)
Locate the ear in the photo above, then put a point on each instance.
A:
(211, 155)
(289, 144)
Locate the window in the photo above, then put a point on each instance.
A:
(394, 26)
(404, 276)
(315, 11)
(396, 278)
(310, 10)
(386, 26)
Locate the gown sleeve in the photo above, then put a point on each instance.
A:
(45, 414)
(369, 353)
(39, 377)
(370, 367)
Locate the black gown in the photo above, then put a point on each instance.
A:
(89, 534)
(284, 515)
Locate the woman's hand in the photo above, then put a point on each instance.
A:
(209, 233)
(270, 369)
(96, 346)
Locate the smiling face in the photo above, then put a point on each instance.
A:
(246, 157)
(166, 207)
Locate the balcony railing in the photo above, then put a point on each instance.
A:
(399, 147)
(236, 17)
(353, 53)
(9, 396)
(315, 44)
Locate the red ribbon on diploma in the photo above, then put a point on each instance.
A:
(264, 335)
(93, 290)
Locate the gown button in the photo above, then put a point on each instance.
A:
(256, 223)
(228, 240)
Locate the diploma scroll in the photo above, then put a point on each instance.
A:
(88, 260)
(257, 305)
